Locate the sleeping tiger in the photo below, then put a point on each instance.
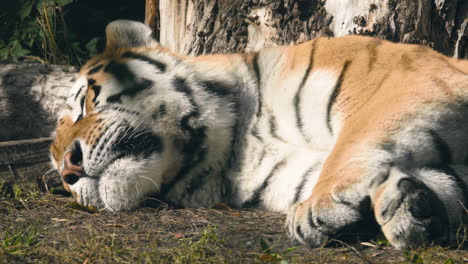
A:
(330, 131)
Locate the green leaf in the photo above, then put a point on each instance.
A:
(448, 261)
(64, 2)
(289, 249)
(91, 46)
(19, 51)
(25, 9)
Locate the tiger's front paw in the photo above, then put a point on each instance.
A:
(411, 215)
(314, 223)
(86, 193)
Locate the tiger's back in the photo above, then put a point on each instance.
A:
(334, 131)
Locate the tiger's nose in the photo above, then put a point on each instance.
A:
(72, 171)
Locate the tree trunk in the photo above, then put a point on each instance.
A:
(222, 26)
(152, 16)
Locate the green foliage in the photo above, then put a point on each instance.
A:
(269, 256)
(15, 192)
(18, 236)
(22, 194)
(37, 30)
(59, 31)
(381, 241)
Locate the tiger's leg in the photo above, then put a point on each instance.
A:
(340, 201)
(412, 203)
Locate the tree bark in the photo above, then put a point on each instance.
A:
(223, 26)
(152, 16)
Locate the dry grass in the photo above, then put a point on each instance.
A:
(50, 229)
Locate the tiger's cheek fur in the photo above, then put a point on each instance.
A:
(67, 132)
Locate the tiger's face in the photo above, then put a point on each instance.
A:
(137, 120)
(116, 139)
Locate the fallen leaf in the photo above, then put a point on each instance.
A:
(221, 206)
(368, 244)
(178, 235)
(60, 219)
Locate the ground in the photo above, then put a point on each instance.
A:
(48, 228)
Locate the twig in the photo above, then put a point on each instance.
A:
(353, 249)
(11, 171)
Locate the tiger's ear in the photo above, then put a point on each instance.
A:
(128, 34)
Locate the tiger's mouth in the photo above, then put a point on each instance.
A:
(139, 144)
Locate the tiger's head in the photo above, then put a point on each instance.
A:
(135, 121)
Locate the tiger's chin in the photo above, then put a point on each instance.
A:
(119, 187)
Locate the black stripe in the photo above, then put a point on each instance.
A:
(103, 138)
(334, 95)
(180, 85)
(459, 182)
(78, 92)
(196, 182)
(257, 73)
(442, 148)
(301, 185)
(274, 127)
(159, 65)
(91, 82)
(132, 90)
(208, 174)
(123, 75)
(97, 91)
(262, 157)
(160, 112)
(310, 219)
(445, 159)
(193, 148)
(136, 142)
(82, 101)
(120, 71)
(236, 142)
(373, 54)
(98, 140)
(132, 85)
(95, 69)
(216, 87)
(254, 201)
(299, 232)
(256, 133)
(298, 95)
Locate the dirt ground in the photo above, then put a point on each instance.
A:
(38, 228)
